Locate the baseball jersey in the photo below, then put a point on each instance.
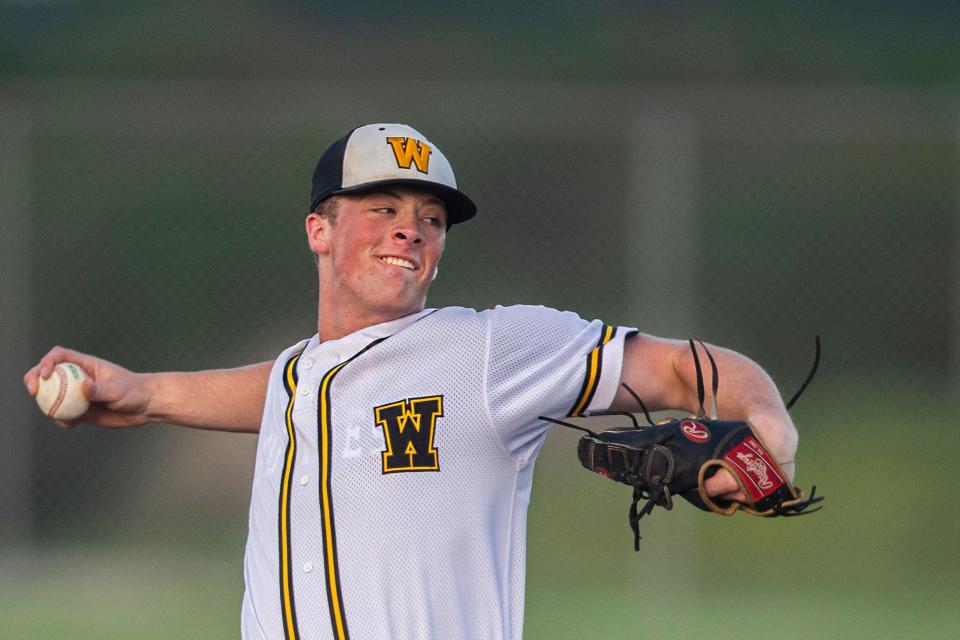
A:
(394, 469)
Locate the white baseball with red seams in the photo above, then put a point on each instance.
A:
(61, 395)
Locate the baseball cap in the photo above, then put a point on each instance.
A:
(378, 155)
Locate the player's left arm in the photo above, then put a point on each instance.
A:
(663, 374)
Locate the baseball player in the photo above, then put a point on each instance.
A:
(397, 444)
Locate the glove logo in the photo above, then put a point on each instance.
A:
(694, 431)
(756, 468)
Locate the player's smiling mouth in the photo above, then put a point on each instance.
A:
(399, 262)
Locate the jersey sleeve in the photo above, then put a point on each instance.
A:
(547, 362)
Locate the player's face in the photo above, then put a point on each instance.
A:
(383, 249)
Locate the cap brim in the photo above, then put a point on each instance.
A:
(460, 208)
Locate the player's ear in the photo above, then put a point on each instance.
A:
(317, 228)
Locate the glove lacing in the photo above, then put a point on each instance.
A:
(659, 494)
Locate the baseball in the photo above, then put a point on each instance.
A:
(61, 395)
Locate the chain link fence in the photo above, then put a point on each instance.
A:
(160, 225)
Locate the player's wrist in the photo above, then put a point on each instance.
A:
(155, 404)
(779, 435)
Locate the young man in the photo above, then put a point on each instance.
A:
(396, 445)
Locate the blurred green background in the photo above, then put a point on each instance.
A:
(751, 173)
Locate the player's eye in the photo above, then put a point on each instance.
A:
(433, 222)
(384, 210)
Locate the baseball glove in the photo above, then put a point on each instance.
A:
(676, 457)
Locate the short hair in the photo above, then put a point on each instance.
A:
(328, 209)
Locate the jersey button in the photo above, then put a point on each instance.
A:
(305, 391)
(308, 567)
(304, 479)
(308, 363)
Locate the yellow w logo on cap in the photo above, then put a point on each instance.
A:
(409, 151)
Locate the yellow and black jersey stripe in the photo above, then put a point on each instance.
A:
(331, 571)
(591, 378)
(338, 618)
(287, 605)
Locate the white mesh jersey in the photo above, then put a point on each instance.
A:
(394, 469)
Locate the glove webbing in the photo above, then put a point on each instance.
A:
(657, 493)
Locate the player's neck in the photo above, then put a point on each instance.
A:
(335, 322)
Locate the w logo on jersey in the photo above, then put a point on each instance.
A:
(409, 151)
(408, 430)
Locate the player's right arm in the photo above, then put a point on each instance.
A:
(220, 399)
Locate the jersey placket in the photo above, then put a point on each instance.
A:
(299, 536)
(311, 404)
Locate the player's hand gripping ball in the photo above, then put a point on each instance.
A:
(61, 395)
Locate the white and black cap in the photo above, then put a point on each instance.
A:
(377, 155)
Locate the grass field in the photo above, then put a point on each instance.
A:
(880, 561)
(135, 594)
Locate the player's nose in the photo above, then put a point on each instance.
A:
(407, 233)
